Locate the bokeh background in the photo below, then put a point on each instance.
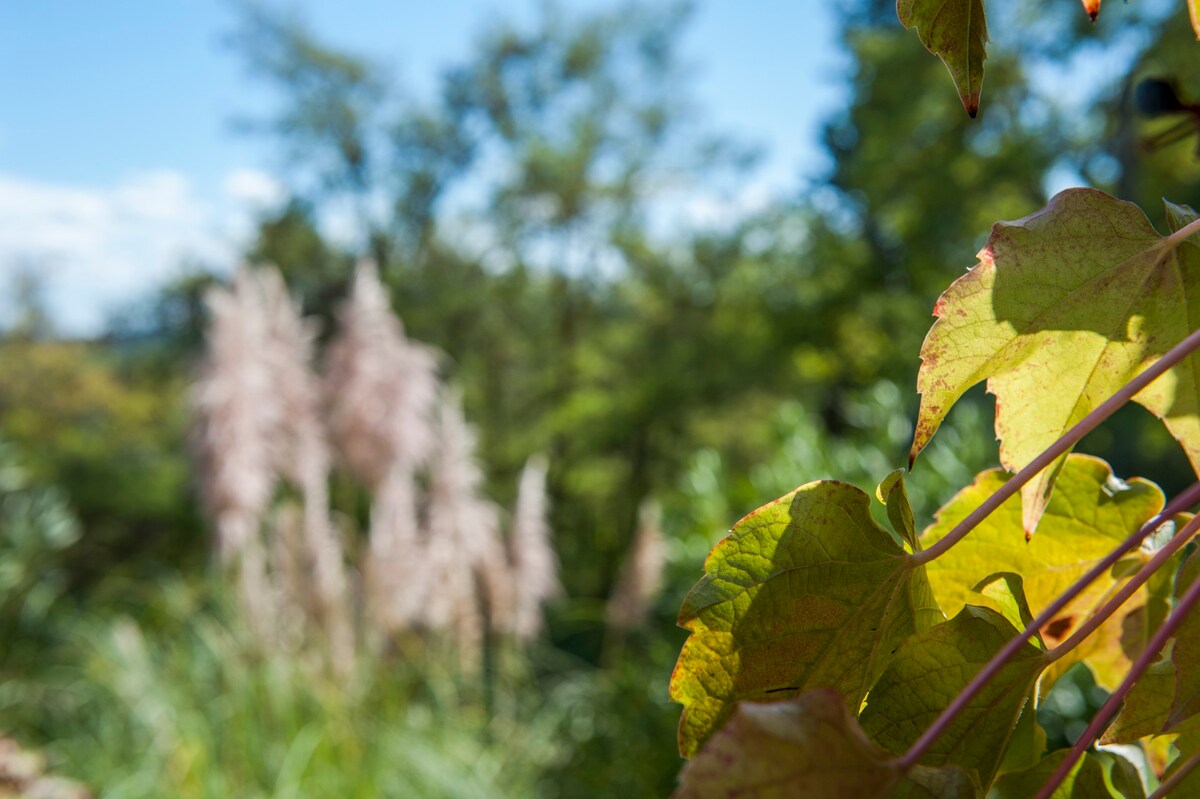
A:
(374, 377)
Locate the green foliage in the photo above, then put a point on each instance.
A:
(107, 428)
(1098, 775)
(36, 528)
(197, 713)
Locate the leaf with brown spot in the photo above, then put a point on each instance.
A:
(1091, 512)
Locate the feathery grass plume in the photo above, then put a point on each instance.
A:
(288, 567)
(397, 584)
(238, 415)
(236, 436)
(382, 391)
(303, 457)
(383, 388)
(464, 547)
(641, 576)
(534, 562)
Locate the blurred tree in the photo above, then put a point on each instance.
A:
(91, 420)
(514, 219)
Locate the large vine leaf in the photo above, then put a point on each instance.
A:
(1063, 309)
(1097, 775)
(956, 32)
(1090, 513)
(806, 592)
(932, 668)
(809, 746)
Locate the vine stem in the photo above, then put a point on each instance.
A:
(1137, 581)
(1173, 781)
(1065, 442)
(1180, 503)
(1104, 715)
(1184, 232)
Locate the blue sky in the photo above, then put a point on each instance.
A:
(119, 159)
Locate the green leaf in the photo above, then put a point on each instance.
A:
(1028, 742)
(1004, 592)
(806, 592)
(1097, 775)
(1179, 216)
(956, 32)
(1146, 707)
(1064, 308)
(1091, 512)
(811, 747)
(927, 674)
(1187, 744)
(1185, 655)
(894, 496)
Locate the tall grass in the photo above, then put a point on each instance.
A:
(191, 708)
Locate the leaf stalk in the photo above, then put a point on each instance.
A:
(1190, 229)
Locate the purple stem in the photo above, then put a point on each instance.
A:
(1143, 574)
(1061, 446)
(1180, 503)
(1104, 716)
(1177, 777)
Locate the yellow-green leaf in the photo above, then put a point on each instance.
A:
(1091, 512)
(812, 747)
(1063, 309)
(956, 32)
(808, 591)
(927, 674)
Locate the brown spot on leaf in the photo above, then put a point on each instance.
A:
(1056, 631)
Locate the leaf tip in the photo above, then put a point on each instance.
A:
(1092, 7)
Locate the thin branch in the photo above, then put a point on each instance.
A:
(1180, 503)
(1104, 716)
(1066, 441)
(1183, 233)
(1137, 581)
(1175, 779)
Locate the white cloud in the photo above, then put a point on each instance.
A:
(253, 187)
(103, 247)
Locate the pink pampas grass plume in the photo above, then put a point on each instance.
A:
(464, 549)
(534, 562)
(641, 576)
(382, 391)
